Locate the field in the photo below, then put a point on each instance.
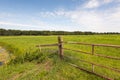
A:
(27, 62)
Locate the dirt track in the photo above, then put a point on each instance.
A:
(4, 56)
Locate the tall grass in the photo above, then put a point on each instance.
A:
(25, 51)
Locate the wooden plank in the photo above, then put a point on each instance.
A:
(104, 77)
(105, 45)
(101, 66)
(99, 55)
(70, 42)
(113, 69)
(77, 51)
(110, 57)
(47, 45)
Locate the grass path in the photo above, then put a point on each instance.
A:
(4, 56)
(35, 71)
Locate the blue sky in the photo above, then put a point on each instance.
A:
(67, 15)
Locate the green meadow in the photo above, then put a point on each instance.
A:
(28, 62)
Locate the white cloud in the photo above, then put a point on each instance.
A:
(13, 24)
(107, 1)
(54, 26)
(89, 20)
(55, 13)
(96, 3)
(92, 4)
(98, 21)
(46, 14)
(107, 20)
(34, 25)
(93, 20)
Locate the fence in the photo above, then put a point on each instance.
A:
(61, 54)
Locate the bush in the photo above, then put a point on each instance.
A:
(34, 56)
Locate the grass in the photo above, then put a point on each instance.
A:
(4, 56)
(29, 63)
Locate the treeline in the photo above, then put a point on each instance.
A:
(9, 32)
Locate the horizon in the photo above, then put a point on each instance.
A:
(61, 31)
(61, 15)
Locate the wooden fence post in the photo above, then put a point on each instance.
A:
(92, 49)
(60, 46)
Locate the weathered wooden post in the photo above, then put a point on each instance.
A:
(92, 49)
(60, 47)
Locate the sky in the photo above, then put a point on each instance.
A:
(61, 15)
